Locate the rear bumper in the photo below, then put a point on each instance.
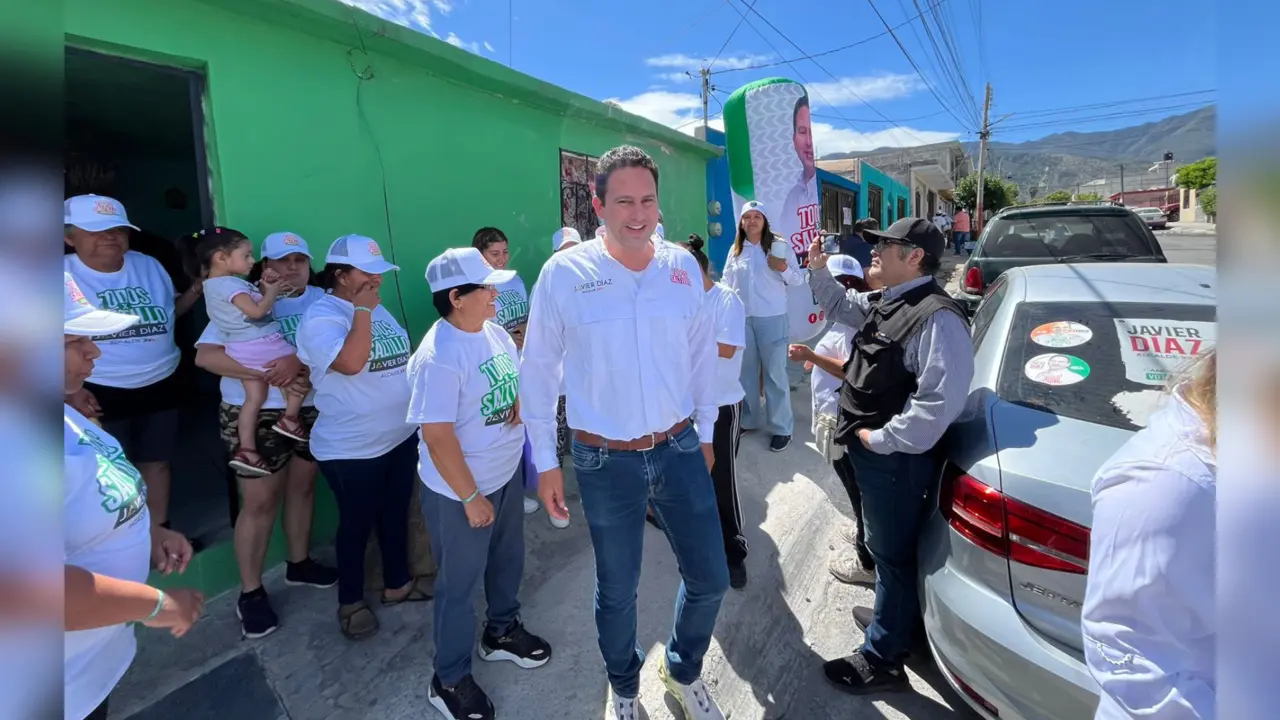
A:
(967, 300)
(979, 638)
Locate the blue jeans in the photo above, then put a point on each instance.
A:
(767, 339)
(463, 555)
(616, 486)
(373, 493)
(897, 493)
(959, 238)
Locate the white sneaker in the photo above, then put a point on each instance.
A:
(693, 698)
(622, 708)
(557, 522)
(530, 505)
(848, 569)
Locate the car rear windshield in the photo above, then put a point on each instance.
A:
(1104, 363)
(1062, 236)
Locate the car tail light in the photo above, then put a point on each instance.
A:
(973, 280)
(1013, 529)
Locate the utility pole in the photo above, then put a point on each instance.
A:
(705, 72)
(983, 136)
(1122, 184)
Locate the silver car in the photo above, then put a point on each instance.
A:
(1070, 360)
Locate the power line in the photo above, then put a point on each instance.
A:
(914, 66)
(864, 120)
(950, 68)
(725, 44)
(823, 69)
(1112, 103)
(672, 38)
(1066, 122)
(824, 53)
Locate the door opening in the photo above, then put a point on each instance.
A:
(135, 132)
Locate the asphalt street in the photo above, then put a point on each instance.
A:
(1182, 248)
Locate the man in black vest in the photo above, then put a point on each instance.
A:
(906, 381)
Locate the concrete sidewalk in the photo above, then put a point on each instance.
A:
(1190, 228)
(764, 661)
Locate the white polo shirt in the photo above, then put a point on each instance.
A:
(636, 350)
(762, 289)
(730, 320)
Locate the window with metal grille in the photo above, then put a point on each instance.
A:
(875, 203)
(577, 187)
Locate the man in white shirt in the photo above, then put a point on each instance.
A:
(623, 321)
(800, 221)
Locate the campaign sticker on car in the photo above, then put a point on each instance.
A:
(1056, 369)
(1154, 350)
(1061, 334)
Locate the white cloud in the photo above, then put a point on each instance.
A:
(488, 46)
(444, 6)
(414, 14)
(684, 112)
(676, 77)
(687, 62)
(870, 88)
(458, 42)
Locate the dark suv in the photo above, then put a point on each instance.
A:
(1044, 234)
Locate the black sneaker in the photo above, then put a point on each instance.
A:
(780, 443)
(856, 674)
(737, 575)
(257, 619)
(519, 646)
(310, 572)
(464, 701)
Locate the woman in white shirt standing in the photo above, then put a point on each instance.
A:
(134, 388)
(465, 380)
(730, 321)
(291, 466)
(109, 541)
(759, 268)
(1149, 619)
(357, 354)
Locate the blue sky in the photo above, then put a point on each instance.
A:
(1044, 59)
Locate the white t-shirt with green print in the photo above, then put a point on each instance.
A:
(512, 304)
(470, 380)
(362, 416)
(106, 530)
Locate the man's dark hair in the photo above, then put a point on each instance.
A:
(443, 303)
(930, 265)
(803, 102)
(487, 236)
(868, 223)
(625, 156)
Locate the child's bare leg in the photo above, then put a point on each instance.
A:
(293, 403)
(255, 394)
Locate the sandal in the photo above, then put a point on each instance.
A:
(291, 428)
(250, 463)
(418, 592)
(357, 623)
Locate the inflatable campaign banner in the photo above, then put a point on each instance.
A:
(769, 145)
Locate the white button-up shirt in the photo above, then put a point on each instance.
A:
(636, 350)
(1148, 619)
(763, 290)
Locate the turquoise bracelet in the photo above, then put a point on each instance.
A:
(472, 496)
(159, 605)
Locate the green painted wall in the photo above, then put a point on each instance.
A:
(298, 141)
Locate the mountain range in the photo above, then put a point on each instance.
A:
(1063, 160)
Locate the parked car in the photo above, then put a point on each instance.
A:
(1154, 217)
(1023, 236)
(1172, 212)
(1063, 376)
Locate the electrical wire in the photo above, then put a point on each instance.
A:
(916, 67)
(824, 53)
(823, 69)
(672, 38)
(1109, 104)
(1069, 122)
(865, 120)
(725, 44)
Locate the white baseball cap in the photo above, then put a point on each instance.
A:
(94, 213)
(463, 266)
(844, 265)
(563, 238)
(81, 318)
(750, 205)
(359, 252)
(278, 245)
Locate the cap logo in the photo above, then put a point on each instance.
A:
(374, 250)
(105, 207)
(290, 240)
(447, 267)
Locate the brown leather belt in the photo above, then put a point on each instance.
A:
(648, 442)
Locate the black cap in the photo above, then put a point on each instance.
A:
(919, 232)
